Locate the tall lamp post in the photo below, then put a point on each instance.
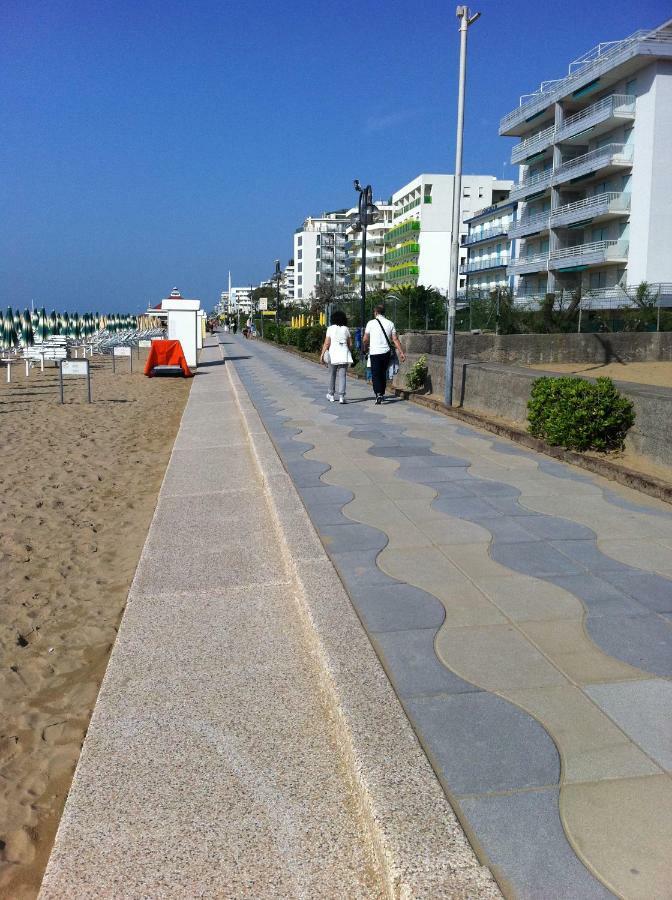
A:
(278, 276)
(466, 20)
(366, 215)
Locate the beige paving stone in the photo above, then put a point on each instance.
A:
(404, 490)
(495, 657)
(642, 554)
(526, 599)
(475, 562)
(590, 745)
(420, 510)
(568, 646)
(448, 530)
(622, 830)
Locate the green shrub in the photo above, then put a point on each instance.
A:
(315, 338)
(578, 414)
(416, 375)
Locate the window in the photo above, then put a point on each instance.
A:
(466, 192)
(631, 86)
(300, 279)
(299, 241)
(480, 193)
(300, 292)
(300, 268)
(299, 255)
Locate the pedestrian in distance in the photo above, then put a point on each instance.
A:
(382, 345)
(234, 327)
(336, 354)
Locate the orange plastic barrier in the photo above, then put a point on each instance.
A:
(167, 353)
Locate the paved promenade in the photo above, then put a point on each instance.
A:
(523, 612)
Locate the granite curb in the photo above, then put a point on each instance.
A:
(420, 844)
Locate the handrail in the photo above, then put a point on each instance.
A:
(520, 261)
(583, 249)
(542, 177)
(613, 101)
(536, 139)
(478, 265)
(606, 150)
(590, 202)
(487, 233)
(527, 221)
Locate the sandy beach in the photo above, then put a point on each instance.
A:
(79, 484)
(655, 373)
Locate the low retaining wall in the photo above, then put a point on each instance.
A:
(501, 390)
(529, 349)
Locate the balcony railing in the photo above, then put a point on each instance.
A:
(524, 264)
(401, 231)
(532, 145)
(610, 154)
(406, 251)
(529, 225)
(593, 253)
(585, 69)
(480, 265)
(486, 234)
(533, 185)
(616, 106)
(401, 273)
(598, 205)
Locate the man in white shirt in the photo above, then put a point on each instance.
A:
(380, 336)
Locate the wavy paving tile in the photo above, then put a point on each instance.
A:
(498, 638)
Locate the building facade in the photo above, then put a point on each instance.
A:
(319, 254)
(417, 246)
(488, 248)
(595, 189)
(375, 250)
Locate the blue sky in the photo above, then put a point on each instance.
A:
(149, 144)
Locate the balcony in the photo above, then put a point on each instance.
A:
(480, 265)
(405, 252)
(615, 108)
(399, 232)
(532, 145)
(529, 225)
(601, 206)
(527, 265)
(536, 184)
(486, 234)
(594, 253)
(402, 273)
(611, 156)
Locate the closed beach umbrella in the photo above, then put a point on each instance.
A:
(9, 336)
(42, 329)
(54, 324)
(27, 334)
(65, 324)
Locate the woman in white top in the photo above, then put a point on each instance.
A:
(337, 343)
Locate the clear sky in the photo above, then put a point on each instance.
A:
(149, 144)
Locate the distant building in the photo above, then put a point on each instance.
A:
(375, 250)
(319, 254)
(488, 248)
(595, 189)
(287, 284)
(419, 241)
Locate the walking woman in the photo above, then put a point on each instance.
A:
(336, 354)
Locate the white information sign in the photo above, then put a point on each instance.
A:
(144, 343)
(263, 303)
(75, 367)
(121, 351)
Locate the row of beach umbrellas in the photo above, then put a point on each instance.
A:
(24, 330)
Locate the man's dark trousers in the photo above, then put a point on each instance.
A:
(380, 363)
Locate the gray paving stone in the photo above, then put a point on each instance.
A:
(464, 507)
(600, 597)
(492, 488)
(433, 474)
(652, 591)
(643, 709)
(589, 555)
(327, 493)
(327, 514)
(506, 528)
(412, 665)
(523, 837)
(537, 558)
(352, 536)
(396, 607)
(359, 567)
(510, 506)
(642, 641)
(399, 452)
(458, 731)
(551, 528)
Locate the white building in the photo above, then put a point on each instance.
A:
(240, 300)
(595, 190)
(418, 244)
(319, 254)
(488, 248)
(375, 249)
(287, 284)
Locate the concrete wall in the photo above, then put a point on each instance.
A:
(547, 348)
(502, 391)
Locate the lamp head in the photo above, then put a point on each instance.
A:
(358, 186)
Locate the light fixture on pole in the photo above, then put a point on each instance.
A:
(278, 276)
(367, 214)
(466, 20)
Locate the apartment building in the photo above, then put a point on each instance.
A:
(595, 190)
(319, 254)
(488, 248)
(418, 243)
(287, 284)
(375, 249)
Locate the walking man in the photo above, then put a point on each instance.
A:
(380, 339)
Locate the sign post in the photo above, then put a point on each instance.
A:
(121, 352)
(75, 368)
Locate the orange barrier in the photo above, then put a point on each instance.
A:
(166, 353)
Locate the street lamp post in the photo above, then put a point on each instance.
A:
(466, 20)
(278, 276)
(367, 214)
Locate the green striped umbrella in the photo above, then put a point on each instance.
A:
(9, 335)
(27, 334)
(42, 328)
(65, 324)
(54, 323)
(17, 321)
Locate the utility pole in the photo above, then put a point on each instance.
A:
(466, 20)
(367, 214)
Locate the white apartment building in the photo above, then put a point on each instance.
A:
(240, 300)
(488, 248)
(595, 189)
(375, 249)
(319, 254)
(418, 244)
(287, 284)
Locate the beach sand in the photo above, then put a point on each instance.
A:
(79, 484)
(655, 373)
